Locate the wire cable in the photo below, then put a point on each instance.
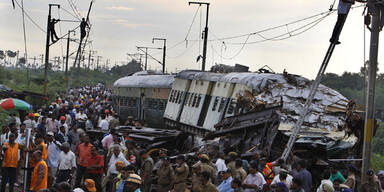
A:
(184, 52)
(280, 37)
(193, 21)
(75, 16)
(25, 36)
(29, 17)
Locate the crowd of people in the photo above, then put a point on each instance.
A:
(60, 156)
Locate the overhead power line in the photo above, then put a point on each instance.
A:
(29, 17)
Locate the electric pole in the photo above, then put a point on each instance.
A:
(205, 33)
(370, 100)
(164, 50)
(146, 55)
(67, 58)
(47, 48)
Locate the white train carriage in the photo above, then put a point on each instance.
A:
(143, 96)
(198, 101)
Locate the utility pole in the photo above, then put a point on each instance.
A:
(97, 62)
(205, 33)
(146, 54)
(164, 50)
(42, 59)
(47, 49)
(67, 58)
(370, 100)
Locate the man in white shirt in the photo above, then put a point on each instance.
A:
(81, 117)
(283, 177)
(66, 164)
(220, 162)
(103, 125)
(255, 180)
(53, 150)
(29, 121)
(116, 156)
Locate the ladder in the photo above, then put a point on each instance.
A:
(308, 102)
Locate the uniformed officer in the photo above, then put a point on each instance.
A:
(181, 175)
(146, 170)
(207, 184)
(206, 167)
(232, 165)
(196, 178)
(240, 173)
(166, 175)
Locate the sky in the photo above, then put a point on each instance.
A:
(118, 26)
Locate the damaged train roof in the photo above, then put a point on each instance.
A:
(146, 79)
(292, 90)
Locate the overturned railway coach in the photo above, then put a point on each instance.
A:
(142, 96)
(195, 101)
(199, 100)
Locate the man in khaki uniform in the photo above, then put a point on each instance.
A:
(166, 175)
(181, 175)
(146, 170)
(240, 173)
(206, 167)
(196, 178)
(207, 184)
(232, 165)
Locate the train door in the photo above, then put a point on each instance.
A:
(206, 102)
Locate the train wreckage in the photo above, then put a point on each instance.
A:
(245, 112)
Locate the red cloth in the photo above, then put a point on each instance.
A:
(97, 160)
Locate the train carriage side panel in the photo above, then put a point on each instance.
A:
(129, 102)
(196, 96)
(221, 94)
(154, 105)
(176, 99)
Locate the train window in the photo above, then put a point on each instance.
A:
(225, 85)
(198, 100)
(202, 83)
(171, 96)
(190, 99)
(218, 84)
(221, 106)
(180, 98)
(194, 100)
(177, 96)
(215, 103)
(174, 96)
(231, 107)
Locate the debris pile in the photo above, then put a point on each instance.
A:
(291, 91)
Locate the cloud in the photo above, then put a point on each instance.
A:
(120, 8)
(126, 23)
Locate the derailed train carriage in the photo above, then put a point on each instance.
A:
(199, 100)
(143, 96)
